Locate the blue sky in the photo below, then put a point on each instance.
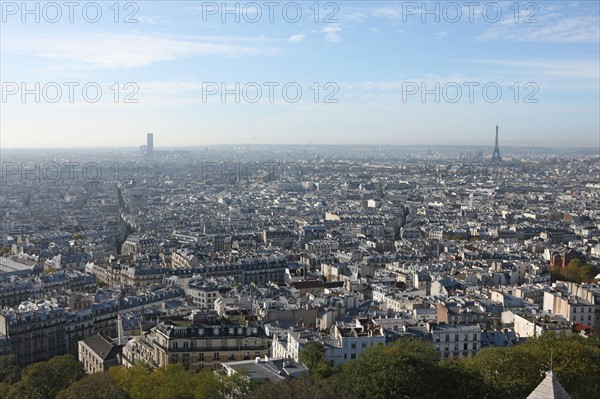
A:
(369, 56)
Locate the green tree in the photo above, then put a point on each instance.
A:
(460, 382)
(9, 371)
(44, 380)
(514, 372)
(208, 386)
(49, 270)
(575, 360)
(300, 388)
(136, 381)
(95, 386)
(407, 369)
(508, 372)
(576, 271)
(173, 381)
(313, 357)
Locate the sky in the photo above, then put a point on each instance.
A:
(196, 73)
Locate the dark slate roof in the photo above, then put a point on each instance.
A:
(103, 348)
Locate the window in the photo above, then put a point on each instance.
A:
(364, 345)
(186, 345)
(465, 346)
(353, 346)
(216, 356)
(353, 356)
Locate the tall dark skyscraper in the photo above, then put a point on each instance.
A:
(150, 143)
(496, 154)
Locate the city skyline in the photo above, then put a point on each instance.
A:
(395, 78)
(325, 199)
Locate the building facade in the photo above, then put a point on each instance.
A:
(204, 342)
(35, 331)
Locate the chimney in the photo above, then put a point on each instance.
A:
(119, 330)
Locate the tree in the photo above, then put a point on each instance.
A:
(44, 380)
(514, 372)
(50, 270)
(143, 382)
(508, 372)
(302, 387)
(174, 381)
(575, 360)
(9, 371)
(237, 386)
(408, 368)
(576, 271)
(136, 381)
(313, 357)
(95, 386)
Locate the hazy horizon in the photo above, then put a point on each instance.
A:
(159, 149)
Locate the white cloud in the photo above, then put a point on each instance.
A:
(297, 38)
(576, 69)
(149, 19)
(353, 14)
(332, 34)
(132, 51)
(397, 85)
(549, 29)
(389, 12)
(441, 34)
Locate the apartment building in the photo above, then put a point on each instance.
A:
(35, 331)
(203, 342)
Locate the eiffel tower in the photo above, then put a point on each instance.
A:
(496, 154)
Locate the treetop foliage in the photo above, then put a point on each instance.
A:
(408, 368)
